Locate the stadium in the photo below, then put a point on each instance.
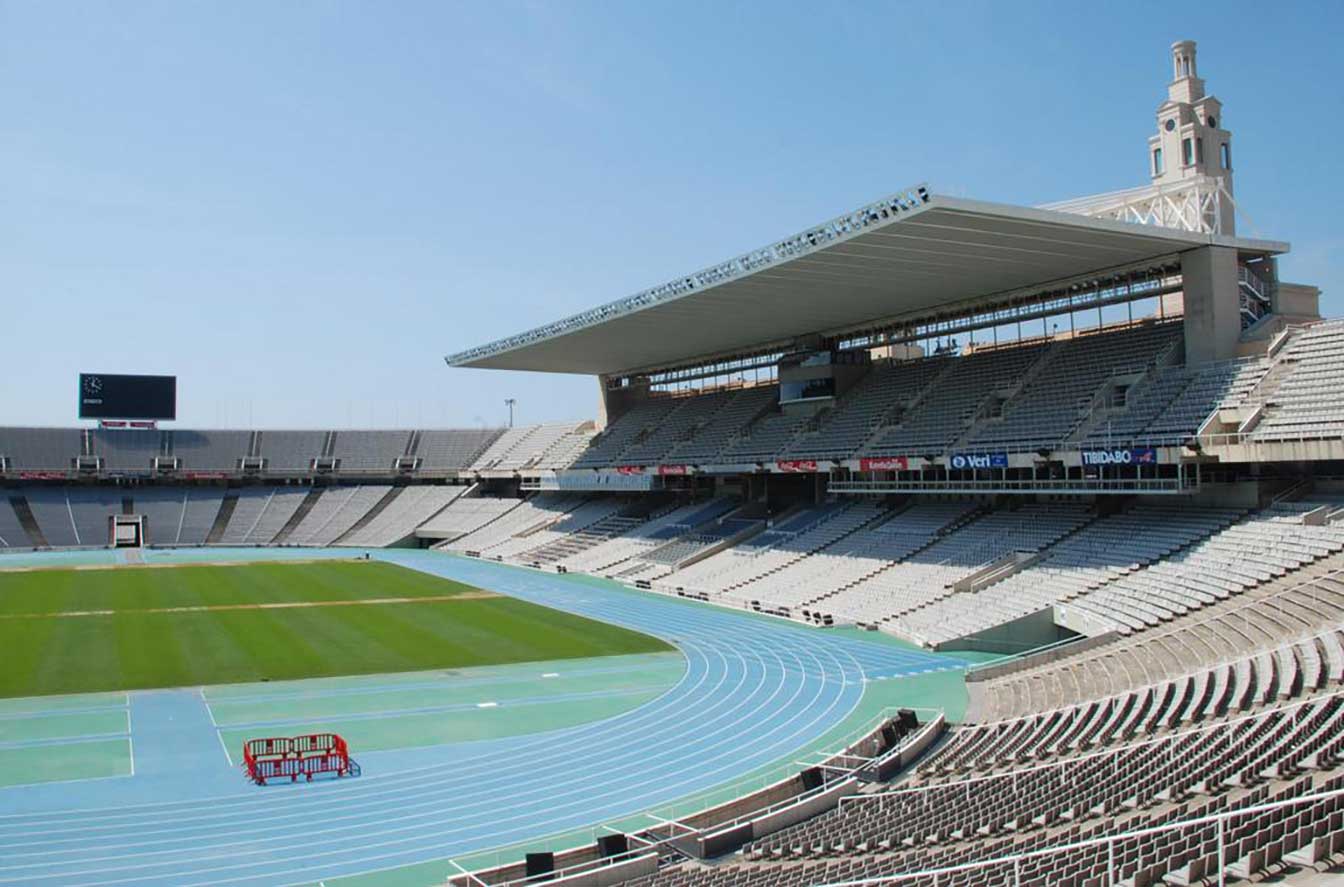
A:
(946, 542)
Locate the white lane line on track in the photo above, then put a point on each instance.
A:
(487, 705)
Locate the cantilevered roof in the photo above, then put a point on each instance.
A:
(910, 253)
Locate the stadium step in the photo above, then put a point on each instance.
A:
(297, 517)
(29, 523)
(222, 519)
(377, 509)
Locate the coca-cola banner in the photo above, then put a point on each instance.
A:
(797, 465)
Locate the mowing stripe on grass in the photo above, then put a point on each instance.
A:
(282, 605)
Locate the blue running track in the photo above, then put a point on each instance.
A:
(755, 691)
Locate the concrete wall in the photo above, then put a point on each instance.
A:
(1212, 306)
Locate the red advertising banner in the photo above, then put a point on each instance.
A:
(204, 475)
(797, 465)
(678, 470)
(885, 463)
(42, 475)
(629, 469)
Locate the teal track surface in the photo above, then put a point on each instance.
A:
(755, 690)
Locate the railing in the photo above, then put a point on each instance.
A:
(1173, 485)
(1109, 842)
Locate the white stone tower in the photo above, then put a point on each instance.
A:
(1191, 143)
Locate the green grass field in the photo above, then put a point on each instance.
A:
(75, 631)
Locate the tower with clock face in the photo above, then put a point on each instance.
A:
(1191, 141)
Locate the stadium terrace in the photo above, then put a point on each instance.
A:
(943, 543)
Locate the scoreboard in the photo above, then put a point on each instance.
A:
(108, 396)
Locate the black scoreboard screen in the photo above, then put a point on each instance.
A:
(105, 396)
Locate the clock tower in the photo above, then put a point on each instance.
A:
(1191, 142)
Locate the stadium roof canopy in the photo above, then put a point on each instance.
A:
(908, 254)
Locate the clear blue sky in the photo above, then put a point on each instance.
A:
(300, 207)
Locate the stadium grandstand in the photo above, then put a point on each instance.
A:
(1095, 447)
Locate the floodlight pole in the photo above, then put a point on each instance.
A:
(509, 402)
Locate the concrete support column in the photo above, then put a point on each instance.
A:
(1212, 306)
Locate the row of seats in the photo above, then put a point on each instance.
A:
(366, 515)
(1257, 549)
(932, 574)
(1104, 550)
(365, 452)
(1236, 684)
(1306, 404)
(1292, 606)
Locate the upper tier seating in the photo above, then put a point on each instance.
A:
(128, 450)
(453, 450)
(41, 449)
(291, 451)
(534, 446)
(566, 449)
(704, 443)
(369, 452)
(1057, 399)
(763, 439)
(952, 401)
(1172, 406)
(629, 428)
(691, 413)
(888, 389)
(1306, 404)
(210, 450)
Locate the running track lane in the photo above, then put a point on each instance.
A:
(754, 691)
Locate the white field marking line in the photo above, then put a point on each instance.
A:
(277, 605)
(559, 699)
(833, 703)
(415, 680)
(495, 818)
(130, 739)
(415, 776)
(219, 734)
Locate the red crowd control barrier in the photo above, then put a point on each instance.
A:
(297, 756)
